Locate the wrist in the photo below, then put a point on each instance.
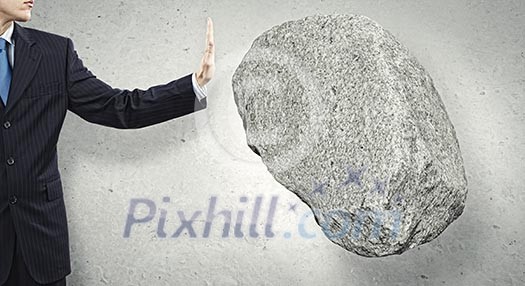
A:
(199, 79)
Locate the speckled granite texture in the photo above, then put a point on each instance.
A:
(344, 117)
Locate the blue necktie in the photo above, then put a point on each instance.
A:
(5, 71)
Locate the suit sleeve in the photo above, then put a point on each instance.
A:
(97, 102)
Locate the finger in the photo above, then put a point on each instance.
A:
(209, 36)
(210, 30)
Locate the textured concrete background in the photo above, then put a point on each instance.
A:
(474, 50)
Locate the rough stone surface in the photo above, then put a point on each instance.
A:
(344, 117)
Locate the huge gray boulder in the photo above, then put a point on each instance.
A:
(344, 117)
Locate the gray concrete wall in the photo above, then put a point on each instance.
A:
(474, 50)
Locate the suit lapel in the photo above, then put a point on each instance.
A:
(27, 59)
(1, 110)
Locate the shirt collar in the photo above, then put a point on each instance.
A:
(7, 35)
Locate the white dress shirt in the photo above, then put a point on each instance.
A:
(11, 51)
(200, 92)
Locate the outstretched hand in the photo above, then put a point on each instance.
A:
(207, 67)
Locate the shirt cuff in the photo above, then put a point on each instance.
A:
(200, 92)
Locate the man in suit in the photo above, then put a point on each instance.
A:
(41, 77)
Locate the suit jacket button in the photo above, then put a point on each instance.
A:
(7, 124)
(13, 200)
(10, 161)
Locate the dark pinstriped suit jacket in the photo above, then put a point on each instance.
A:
(48, 79)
